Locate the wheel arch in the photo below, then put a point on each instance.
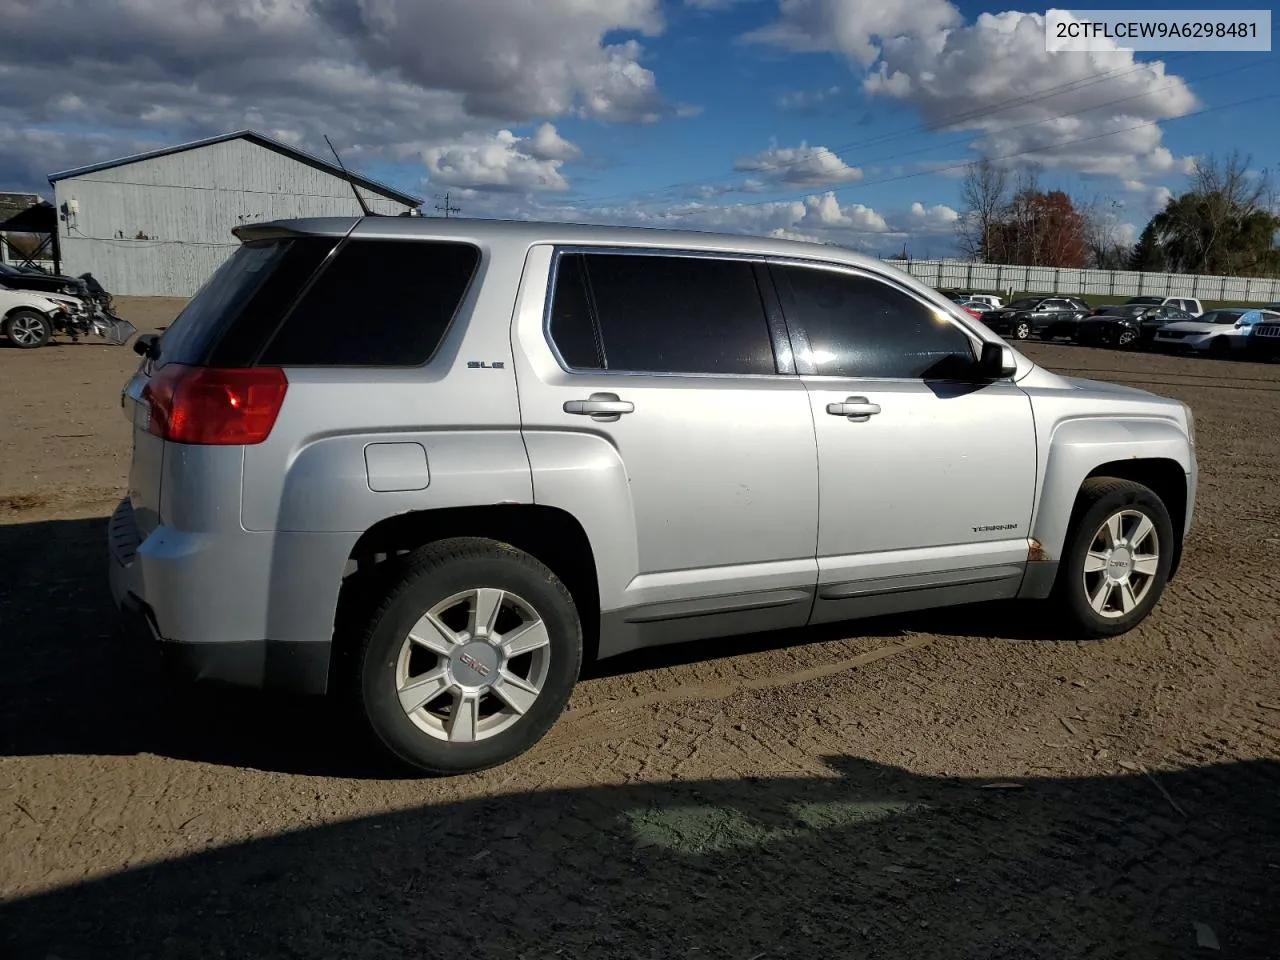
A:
(1148, 450)
(27, 308)
(552, 535)
(1164, 477)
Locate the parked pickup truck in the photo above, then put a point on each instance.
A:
(436, 499)
(1190, 304)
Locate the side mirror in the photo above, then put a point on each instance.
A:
(145, 344)
(996, 362)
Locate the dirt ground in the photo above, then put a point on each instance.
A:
(949, 785)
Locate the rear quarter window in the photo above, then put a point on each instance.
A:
(377, 303)
(229, 318)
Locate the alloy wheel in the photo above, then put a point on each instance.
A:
(26, 330)
(473, 665)
(1120, 566)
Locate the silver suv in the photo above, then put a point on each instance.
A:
(431, 465)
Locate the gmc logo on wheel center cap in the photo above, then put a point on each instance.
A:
(474, 664)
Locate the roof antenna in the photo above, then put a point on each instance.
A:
(359, 199)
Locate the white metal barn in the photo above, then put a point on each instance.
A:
(159, 223)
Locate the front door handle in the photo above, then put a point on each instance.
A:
(602, 407)
(857, 409)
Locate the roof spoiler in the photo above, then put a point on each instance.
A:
(300, 227)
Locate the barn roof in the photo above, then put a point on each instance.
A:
(26, 213)
(261, 140)
(12, 204)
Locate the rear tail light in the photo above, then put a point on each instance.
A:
(202, 405)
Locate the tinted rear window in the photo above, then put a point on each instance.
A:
(377, 303)
(230, 317)
(662, 314)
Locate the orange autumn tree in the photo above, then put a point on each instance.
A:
(1040, 229)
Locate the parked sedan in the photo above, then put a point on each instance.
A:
(1045, 317)
(1219, 333)
(1129, 325)
(974, 308)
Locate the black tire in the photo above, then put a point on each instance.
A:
(1127, 339)
(429, 576)
(1022, 330)
(35, 326)
(1219, 348)
(1099, 499)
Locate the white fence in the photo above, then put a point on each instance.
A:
(1002, 278)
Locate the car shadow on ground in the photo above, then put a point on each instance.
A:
(872, 861)
(68, 685)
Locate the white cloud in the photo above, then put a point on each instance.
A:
(547, 144)
(817, 217)
(782, 233)
(809, 101)
(801, 166)
(972, 76)
(937, 217)
(852, 27)
(511, 59)
(503, 161)
(825, 210)
(387, 79)
(1145, 199)
(958, 78)
(1159, 197)
(708, 190)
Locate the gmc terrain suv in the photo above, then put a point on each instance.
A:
(436, 498)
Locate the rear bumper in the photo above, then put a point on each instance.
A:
(263, 664)
(201, 605)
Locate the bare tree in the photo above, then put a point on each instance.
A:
(1026, 224)
(985, 196)
(1104, 235)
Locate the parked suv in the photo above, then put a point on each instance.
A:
(437, 498)
(1046, 317)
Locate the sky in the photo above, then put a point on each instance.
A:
(845, 121)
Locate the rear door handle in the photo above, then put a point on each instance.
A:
(602, 407)
(857, 409)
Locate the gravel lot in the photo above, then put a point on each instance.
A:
(949, 785)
